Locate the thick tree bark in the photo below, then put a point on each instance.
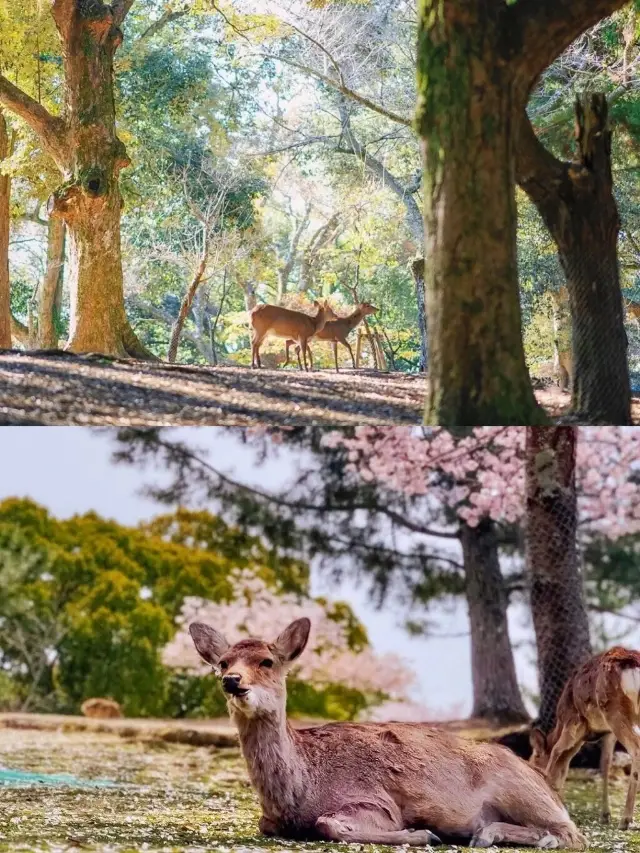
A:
(496, 695)
(50, 287)
(86, 149)
(477, 370)
(577, 205)
(557, 595)
(417, 270)
(477, 64)
(5, 222)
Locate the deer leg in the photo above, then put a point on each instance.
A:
(629, 737)
(569, 742)
(298, 354)
(509, 833)
(348, 346)
(335, 354)
(606, 757)
(368, 825)
(310, 357)
(287, 345)
(256, 340)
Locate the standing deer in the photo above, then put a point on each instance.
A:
(391, 783)
(337, 331)
(601, 697)
(286, 323)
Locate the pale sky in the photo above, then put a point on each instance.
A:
(68, 470)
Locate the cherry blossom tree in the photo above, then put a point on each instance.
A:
(586, 478)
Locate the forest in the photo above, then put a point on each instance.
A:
(166, 167)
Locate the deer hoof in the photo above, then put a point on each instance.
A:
(548, 842)
(423, 836)
(624, 823)
(479, 840)
(605, 817)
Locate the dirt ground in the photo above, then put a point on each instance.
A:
(129, 795)
(45, 389)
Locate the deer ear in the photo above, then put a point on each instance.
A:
(209, 643)
(538, 741)
(291, 643)
(316, 303)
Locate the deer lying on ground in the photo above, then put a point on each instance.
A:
(391, 783)
(337, 331)
(286, 323)
(101, 708)
(601, 697)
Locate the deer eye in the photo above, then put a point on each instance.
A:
(223, 665)
(267, 663)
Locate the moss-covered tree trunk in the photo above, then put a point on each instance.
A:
(496, 695)
(477, 370)
(83, 143)
(5, 221)
(557, 596)
(477, 64)
(51, 286)
(577, 204)
(89, 202)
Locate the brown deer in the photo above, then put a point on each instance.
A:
(101, 708)
(601, 698)
(372, 783)
(337, 332)
(286, 323)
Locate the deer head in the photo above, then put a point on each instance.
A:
(366, 308)
(253, 672)
(539, 749)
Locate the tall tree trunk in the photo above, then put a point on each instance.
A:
(467, 123)
(577, 205)
(5, 223)
(185, 305)
(496, 695)
(84, 145)
(90, 202)
(562, 337)
(417, 270)
(557, 595)
(51, 286)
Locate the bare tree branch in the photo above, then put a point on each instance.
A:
(344, 89)
(377, 168)
(164, 19)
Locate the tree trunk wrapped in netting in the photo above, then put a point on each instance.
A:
(556, 586)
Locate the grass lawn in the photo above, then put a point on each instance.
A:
(175, 797)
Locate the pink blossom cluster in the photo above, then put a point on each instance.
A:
(482, 475)
(260, 611)
(412, 712)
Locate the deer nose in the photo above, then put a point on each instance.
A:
(231, 683)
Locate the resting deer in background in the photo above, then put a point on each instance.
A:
(601, 697)
(101, 708)
(389, 783)
(286, 323)
(337, 331)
